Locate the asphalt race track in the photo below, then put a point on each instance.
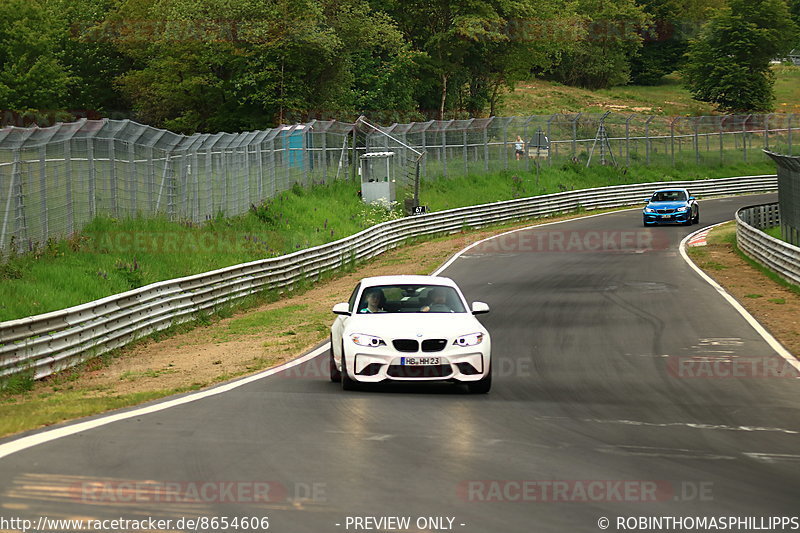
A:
(612, 397)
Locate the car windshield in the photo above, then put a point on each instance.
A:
(669, 196)
(410, 299)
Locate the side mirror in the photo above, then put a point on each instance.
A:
(478, 308)
(647, 200)
(691, 198)
(342, 309)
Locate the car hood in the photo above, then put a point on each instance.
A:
(666, 205)
(412, 325)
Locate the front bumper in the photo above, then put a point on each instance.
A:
(372, 365)
(667, 218)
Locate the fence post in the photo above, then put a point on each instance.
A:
(505, 145)
(672, 140)
(696, 125)
(92, 178)
(273, 169)
(68, 184)
(444, 149)
(466, 161)
(43, 191)
(628, 140)
(486, 144)
(195, 170)
(575, 136)
(647, 138)
(766, 132)
(721, 139)
(112, 177)
(744, 137)
(132, 182)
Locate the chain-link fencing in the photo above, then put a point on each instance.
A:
(54, 180)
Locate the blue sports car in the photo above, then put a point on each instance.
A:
(671, 206)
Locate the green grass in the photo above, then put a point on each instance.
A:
(22, 413)
(669, 98)
(112, 256)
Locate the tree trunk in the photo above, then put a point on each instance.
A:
(444, 96)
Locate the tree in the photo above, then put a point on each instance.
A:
(31, 73)
(89, 54)
(729, 63)
(472, 49)
(610, 38)
(673, 23)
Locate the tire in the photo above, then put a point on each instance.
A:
(336, 375)
(348, 383)
(696, 219)
(482, 386)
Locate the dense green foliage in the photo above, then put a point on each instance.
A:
(729, 63)
(211, 65)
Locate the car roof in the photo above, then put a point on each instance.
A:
(670, 190)
(407, 279)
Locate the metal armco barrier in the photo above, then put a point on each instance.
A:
(775, 254)
(54, 341)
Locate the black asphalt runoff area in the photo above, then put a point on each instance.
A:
(616, 395)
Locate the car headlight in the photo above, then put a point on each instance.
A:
(469, 340)
(367, 340)
(649, 210)
(683, 209)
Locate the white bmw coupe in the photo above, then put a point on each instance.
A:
(410, 328)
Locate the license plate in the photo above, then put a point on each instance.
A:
(419, 361)
(667, 216)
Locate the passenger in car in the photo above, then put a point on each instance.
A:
(438, 302)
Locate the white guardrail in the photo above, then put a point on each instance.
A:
(775, 254)
(47, 343)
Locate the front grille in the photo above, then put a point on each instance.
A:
(370, 370)
(405, 345)
(433, 345)
(666, 211)
(467, 369)
(433, 371)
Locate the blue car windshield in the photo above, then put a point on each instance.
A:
(669, 196)
(410, 299)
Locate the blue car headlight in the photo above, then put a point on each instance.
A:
(683, 209)
(649, 210)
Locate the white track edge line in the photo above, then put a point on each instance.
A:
(761, 330)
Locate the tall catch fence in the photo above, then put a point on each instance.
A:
(54, 180)
(788, 195)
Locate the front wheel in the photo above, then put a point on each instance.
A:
(482, 386)
(696, 219)
(348, 383)
(336, 375)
